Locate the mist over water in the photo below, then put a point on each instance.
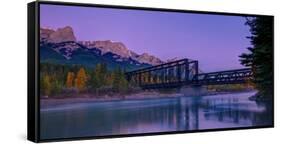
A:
(155, 115)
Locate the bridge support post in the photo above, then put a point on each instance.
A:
(193, 90)
(186, 67)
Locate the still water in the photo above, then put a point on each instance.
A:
(157, 115)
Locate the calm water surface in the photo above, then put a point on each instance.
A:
(158, 115)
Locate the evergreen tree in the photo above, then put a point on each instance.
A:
(103, 74)
(260, 56)
(116, 79)
(109, 79)
(120, 83)
(56, 87)
(123, 84)
(98, 76)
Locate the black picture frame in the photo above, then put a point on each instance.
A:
(33, 119)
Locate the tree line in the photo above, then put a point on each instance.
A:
(62, 80)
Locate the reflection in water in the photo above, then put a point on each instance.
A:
(158, 115)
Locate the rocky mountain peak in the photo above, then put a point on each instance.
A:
(57, 36)
(114, 47)
(65, 42)
(147, 58)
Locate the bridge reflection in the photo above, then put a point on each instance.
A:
(156, 115)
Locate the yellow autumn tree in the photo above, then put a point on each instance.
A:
(70, 79)
(46, 85)
(81, 79)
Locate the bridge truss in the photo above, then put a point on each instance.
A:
(184, 72)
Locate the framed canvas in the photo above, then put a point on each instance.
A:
(104, 71)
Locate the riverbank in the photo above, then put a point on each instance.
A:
(260, 98)
(87, 98)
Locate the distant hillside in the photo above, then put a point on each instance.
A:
(63, 53)
(60, 46)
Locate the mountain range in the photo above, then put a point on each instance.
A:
(61, 46)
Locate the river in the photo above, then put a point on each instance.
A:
(154, 115)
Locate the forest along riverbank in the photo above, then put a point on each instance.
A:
(87, 98)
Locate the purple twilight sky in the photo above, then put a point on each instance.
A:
(215, 41)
